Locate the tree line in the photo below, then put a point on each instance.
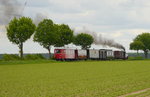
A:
(46, 33)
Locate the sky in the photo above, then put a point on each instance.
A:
(120, 20)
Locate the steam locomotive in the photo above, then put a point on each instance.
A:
(93, 54)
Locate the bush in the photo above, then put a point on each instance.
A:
(110, 58)
(136, 58)
(9, 57)
(33, 57)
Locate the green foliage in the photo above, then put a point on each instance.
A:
(19, 30)
(21, 62)
(10, 57)
(84, 40)
(136, 58)
(65, 35)
(14, 57)
(46, 34)
(136, 45)
(144, 38)
(74, 79)
(34, 57)
(110, 58)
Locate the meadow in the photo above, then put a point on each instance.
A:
(73, 79)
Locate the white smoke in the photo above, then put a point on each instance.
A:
(8, 10)
(100, 40)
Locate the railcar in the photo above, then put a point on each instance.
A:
(93, 54)
(119, 54)
(81, 54)
(103, 54)
(110, 54)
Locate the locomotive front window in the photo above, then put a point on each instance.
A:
(58, 51)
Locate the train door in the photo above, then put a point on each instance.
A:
(88, 54)
(100, 54)
(76, 54)
(124, 55)
(105, 54)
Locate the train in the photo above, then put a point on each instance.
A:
(92, 54)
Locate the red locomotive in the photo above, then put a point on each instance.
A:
(64, 54)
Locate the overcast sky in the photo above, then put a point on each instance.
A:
(120, 20)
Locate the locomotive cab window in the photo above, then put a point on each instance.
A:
(58, 51)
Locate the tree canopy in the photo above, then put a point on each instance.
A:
(46, 34)
(84, 40)
(144, 38)
(65, 35)
(136, 45)
(19, 30)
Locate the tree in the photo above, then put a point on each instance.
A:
(84, 40)
(46, 34)
(65, 35)
(145, 39)
(136, 45)
(19, 30)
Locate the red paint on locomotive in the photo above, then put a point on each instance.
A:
(64, 54)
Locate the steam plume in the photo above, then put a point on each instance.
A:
(8, 10)
(99, 40)
(39, 17)
(12, 8)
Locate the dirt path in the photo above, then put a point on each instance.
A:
(136, 92)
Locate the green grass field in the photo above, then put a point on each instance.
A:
(73, 79)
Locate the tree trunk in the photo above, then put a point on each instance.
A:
(146, 54)
(137, 52)
(21, 50)
(49, 51)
